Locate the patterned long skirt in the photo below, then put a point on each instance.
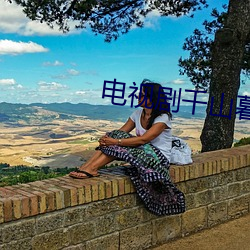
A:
(149, 173)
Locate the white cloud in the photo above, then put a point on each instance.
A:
(7, 82)
(178, 81)
(246, 93)
(80, 92)
(19, 86)
(15, 48)
(51, 86)
(60, 77)
(55, 63)
(13, 20)
(73, 72)
(151, 21)
(10, 84)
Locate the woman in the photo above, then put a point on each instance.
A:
(148, 152)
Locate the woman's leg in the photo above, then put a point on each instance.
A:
(91, 159)
(98, 160)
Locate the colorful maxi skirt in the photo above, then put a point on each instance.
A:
(149, 172)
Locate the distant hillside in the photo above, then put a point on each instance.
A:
(39, 112)
(94, 112)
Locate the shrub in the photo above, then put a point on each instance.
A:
(242, 142)
(22, 174)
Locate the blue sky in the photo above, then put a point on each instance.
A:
(38, 64)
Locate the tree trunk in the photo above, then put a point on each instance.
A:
(227, 56)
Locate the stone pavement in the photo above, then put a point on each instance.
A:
(232, 235)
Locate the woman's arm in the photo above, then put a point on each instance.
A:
(151, 134)
(128, 126)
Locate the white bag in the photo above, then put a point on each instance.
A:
(180, 152)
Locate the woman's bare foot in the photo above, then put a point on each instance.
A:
(82, 173)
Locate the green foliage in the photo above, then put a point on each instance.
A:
(23, 174)
(242, 142)
(108, 17)
(198, 67)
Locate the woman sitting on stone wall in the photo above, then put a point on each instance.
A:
(148, 152)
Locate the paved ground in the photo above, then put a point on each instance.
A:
(233, 235)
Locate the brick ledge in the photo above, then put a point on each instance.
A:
(25, 200)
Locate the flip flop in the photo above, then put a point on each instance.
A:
(87, 175)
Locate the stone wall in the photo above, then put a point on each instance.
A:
(105, 212)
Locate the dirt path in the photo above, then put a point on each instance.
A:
(233, 235)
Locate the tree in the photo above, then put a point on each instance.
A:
(198, 65)
(108, 17)
(227, 58)
(113, 17)
(204, 68)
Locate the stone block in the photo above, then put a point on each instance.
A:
(1, 235)
(136, 238)
(190, 203)
(107, 242)
(18, 230)
(196, 185)
(99, 208)
(49, 222)
(234, 189)
(131, 217)
(240, 174)
(53, 240)
(1, 212)
(77, 247)
(245, 186)
(220, 193)
(204, 198)
(181, 186)
(74, 215)
(238, 206)
(105, 224)
(166, 228)
(247, 171)
(217, 213)
(24, 244)
(225, 178)
(194, 220)
(80, 233)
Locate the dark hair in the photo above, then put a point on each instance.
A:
(152, 90)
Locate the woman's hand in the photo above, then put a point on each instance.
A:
(107, 141)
